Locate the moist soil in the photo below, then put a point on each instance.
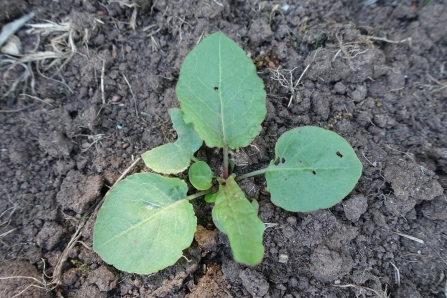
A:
(372, 71)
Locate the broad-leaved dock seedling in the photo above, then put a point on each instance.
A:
(147, 220)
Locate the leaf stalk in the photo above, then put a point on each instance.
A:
(199, 194)
(225, 163)
(251, 174)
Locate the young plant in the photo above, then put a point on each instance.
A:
(147, 219)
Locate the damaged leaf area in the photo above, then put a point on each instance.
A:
(313, 169)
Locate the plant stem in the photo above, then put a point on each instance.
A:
(225, 163)
(248, 175)
(194, 158)
(199, 194)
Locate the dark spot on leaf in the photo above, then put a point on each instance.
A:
(339, 154)
(276, 161)
(313, 172)
(216, 88)
(283, 160)
(301, 161)
(135, 241)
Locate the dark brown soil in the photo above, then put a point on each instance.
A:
(376, 76)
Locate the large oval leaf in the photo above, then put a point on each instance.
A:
(221, 94)
(313, 169)
(144, 224)
(234, 215)
(173, 158)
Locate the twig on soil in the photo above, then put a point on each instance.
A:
(46, 101)
(278, 75)
(406, 153)
(43, 287)
(379, 294)
(396, 274)
(390, 41)
(7, 233)
(133, 17)
(443, 85)
(102, 83)
(51, 79)
(374, 164)
(125, 172)
(270, 224)
(133, 95)
(57, 272)
(410, 237)
(17, 110)
(218, 3)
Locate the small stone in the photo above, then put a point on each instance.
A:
(125, 145)
(283, 258)
(254, 282)
(340, 88)
(291, 220)
(355, 207)
(116, 98)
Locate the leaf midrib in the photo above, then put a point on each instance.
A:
(222, 115)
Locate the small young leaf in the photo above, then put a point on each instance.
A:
(255, 205)
(221, 94)
(173, 158)
(313, 169)
(200, 175)
(234, 215)
(144, 224)
(232, 165)
(211, 197)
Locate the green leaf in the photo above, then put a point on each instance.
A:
(221, 94)
(200, 175)
(144, 224)
(313, 169)
(173, 158)
(232, 165)
(234, 215)
(255, 205)
(211, 197)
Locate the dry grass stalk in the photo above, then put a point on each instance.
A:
(381, 294)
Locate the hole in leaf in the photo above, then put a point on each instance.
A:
(216, 88)
(313, 172)
(283, 160)
(276, 161)
(339, 154)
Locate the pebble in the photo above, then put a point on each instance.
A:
(283, 258)
(116, 98)
(291, 220)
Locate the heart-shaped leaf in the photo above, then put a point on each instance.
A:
(221, 94)
(234, 215)
(173, 158)
(313, 169)
(144, 224)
